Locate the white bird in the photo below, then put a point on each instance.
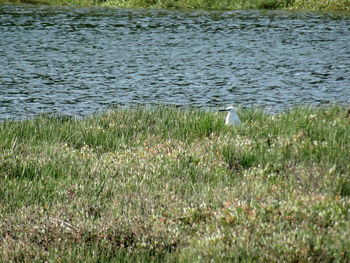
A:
(231, 117)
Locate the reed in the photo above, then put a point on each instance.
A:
(175, 184)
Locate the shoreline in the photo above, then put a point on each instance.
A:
(219, 5)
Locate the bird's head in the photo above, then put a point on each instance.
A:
(229, 108)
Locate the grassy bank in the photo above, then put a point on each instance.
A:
(315, 5)
(167, 184)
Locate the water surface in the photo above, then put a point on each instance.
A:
(77, 61)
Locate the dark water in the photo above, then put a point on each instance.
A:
(77, 61)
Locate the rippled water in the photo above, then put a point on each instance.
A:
(77, 61)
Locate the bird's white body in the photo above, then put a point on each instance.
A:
(232, 117)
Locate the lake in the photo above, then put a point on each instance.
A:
(79, 61)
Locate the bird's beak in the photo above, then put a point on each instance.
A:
(223, 110)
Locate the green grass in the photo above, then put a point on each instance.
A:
(314, 5)
(163, 184)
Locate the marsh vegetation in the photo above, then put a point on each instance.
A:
(175, 184)
(315, 5)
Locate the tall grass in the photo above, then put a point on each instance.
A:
(316, 5)
(169, 184)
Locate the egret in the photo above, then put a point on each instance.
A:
(231, 117)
